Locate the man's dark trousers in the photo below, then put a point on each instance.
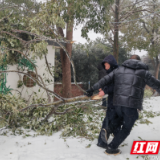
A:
(129, 116)
(104, 102)
(106, 124)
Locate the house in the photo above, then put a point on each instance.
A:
(25, 87)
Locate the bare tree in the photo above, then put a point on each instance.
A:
(121, 12)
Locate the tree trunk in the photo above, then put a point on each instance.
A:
(153, 63)
(157, 67)
(155, 32)
(66, 66)
(116, 31)
(67, 76)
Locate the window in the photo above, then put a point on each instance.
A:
(28, 82)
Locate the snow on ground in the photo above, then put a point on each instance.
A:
(56, 148)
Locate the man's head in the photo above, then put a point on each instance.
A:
(109, 63)
(107, 66)
(135, 57)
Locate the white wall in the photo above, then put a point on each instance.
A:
(12, 78)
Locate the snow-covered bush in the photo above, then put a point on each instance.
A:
(9, 110)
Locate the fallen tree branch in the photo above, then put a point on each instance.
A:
(49, 98)
(48, 65)
(3, 128)
(57, 103)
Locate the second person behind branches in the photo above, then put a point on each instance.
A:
(109, 64)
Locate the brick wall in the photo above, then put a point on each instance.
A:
(75, 90)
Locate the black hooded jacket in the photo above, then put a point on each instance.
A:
(101, 71)
(108, 89)
(112, 61)
(129, 83)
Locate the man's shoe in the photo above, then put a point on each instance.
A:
(104, 135)
(102, 145)
(111, 151)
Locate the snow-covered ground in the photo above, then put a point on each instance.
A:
(56, 148)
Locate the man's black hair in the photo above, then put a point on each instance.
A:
(137, 57)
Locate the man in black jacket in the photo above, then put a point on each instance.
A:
(129, 83)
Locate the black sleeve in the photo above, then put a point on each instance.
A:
(109, 88)
(104, 81)
(152, 81)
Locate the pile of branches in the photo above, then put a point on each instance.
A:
(82, 119)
